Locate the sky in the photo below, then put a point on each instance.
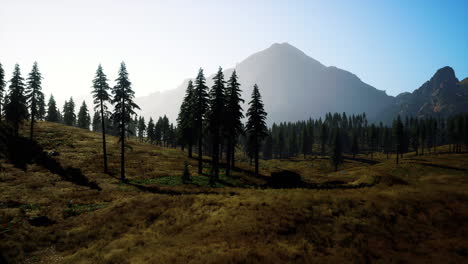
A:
(392, 45)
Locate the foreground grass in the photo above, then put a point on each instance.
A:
(417, 213)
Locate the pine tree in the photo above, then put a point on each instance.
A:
(123, 110)
(256, 127)
(233, 119)
(101, 97)
(33, 95)
(323, 137)
(84, 119)
(355, 144)
(398, 134)
(200, 109)
(185, 120)
(150, 131)
(41, 111)
(141, 128)
(53, 114)
(2, 89)
(69, 116)
(336, 156)
(215, 118)
(96, 123)
(16, 110)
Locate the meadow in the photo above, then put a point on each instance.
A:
(369, 211)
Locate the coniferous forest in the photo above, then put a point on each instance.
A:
(192, 132)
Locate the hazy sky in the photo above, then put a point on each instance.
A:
(392, 45)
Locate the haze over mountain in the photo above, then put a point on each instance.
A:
(294, 87)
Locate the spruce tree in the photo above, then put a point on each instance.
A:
(96, 122)
(215, 120)
(323, 137)
(69, 116)
(355, 144)
(268, 147)
(185, 120)
(256, 127)
(84, 119)
(33, 95)
(150, 131)
(398, 134)
(199, 112)
(2, 90)
(53, 114)
(141, 128)
(336, 155)
(124, 108)
(233, 119)
(16, 110)
(101, 97)
(41, 111)
(306, 145)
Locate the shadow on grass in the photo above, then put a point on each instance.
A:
(22, 151)
(441, 166)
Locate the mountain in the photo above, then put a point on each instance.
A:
(294, 86)
(442, 95)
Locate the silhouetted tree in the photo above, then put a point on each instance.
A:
(185, 120)
(336, 155)
(268, 147)
(41, 111)
(199, 112)
(33, 95)
(2, 90)
(101, 96)
(150, 131)
(141, 128)
(355, 144)
(123, 110)
(215, 120)
(233, 119)
(53, 114)
(16, 110)
(96, 123)
(256, 128)
(69, 116)
(398, 134)
(84, 119)
(323, 137)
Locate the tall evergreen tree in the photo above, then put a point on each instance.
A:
(41, 111)
(398, 134)
(185, 120)
(84, 119)
(141, 128)
(323, 137)
(256, 127)
(199, 112)
(2, 90)
(215, 118)
(336, 155)
(233, 119)
(69, 116)
(34, 94)
(150, 131)
(101, 97)
(16, 110)
(96, 122)
(124, 108)
(53, 114)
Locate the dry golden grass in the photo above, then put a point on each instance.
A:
(416, 213)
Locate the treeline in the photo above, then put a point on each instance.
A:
(25, 101)
(358, 136)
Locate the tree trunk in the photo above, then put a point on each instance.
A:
(33, 113)
(122, 141)
(189, 149)
(200, 151)
(103, 126)
(233, 152)
(228, 157)
(256, 157)
(214, 160)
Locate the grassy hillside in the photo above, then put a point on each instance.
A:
(414, 213)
